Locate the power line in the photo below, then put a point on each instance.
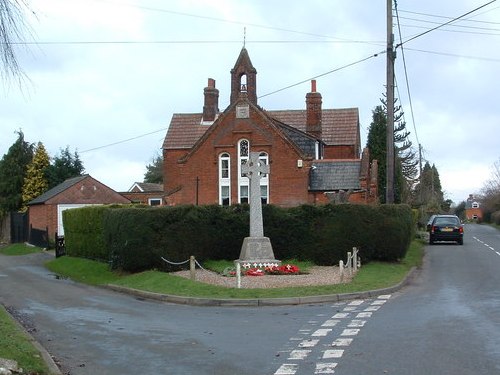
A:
(191, 42)
(446, 17)
(406, 78)
(123, 141)
(446, 23)
(242, 23)
(271, 93)
(323, 74)
(453, 55)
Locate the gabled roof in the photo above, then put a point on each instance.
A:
(57, 189)
(145, 187)
(339, 127)
(331, 175)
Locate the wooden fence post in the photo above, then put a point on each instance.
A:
(192, 268)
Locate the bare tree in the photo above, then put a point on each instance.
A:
(491, 191)
(13, 28)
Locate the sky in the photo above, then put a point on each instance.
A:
(105, 77)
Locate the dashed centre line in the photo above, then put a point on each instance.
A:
(487, 245)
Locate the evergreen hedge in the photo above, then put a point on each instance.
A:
(135, 238)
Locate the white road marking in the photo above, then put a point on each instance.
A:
(330, 323)
(366, 314)
(308, 343)
(333, 353)
(356, 323)
(304, 351)
(340, 315)
(287, 369)
(342, 342)
(299, 354)
(350, 308)
(497, 252)
(321, 332)
(325, 368)
(350, 332)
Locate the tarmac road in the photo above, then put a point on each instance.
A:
(91, 330)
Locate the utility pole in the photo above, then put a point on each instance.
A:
(389, 190)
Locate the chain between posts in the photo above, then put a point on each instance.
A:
(192, 265)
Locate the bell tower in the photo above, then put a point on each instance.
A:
(244, 78)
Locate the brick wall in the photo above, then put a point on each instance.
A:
(199, 174)
(88, 191)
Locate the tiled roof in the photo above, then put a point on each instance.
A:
(146, 187)
(57, 190)
(335, 175)
(184, 130)
(339, 127)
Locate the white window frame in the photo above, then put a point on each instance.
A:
(224, 182)
(243, 180)
(150, 200)
(264, 180)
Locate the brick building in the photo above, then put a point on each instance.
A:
(472, 209)
(45, 211)
(145, 193)
(314, 154)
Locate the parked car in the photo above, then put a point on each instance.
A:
(429, 223)
(446, 228)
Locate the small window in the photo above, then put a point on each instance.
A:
(154, 201)
(475, 205)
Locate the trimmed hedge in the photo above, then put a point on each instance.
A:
(135, 238)
(83, 232)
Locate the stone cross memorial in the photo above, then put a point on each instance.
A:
(256, 249)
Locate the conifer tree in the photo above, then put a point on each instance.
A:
(405, 158)
(154, 173)
(12, 172)
(35, 182)
(64, 166)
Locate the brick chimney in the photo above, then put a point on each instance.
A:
(211, 105)
(313, 109)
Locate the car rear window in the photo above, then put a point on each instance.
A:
(446, 221)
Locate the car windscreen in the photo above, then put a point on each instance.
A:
(446, 221)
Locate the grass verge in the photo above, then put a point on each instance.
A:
(14, 344)
(19, 249)
(374, 275)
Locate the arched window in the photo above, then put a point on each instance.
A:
(243, 83)
(224, 179)
(243, 182)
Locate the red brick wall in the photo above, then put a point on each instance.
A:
(87, 191)
(142, 197)
(288, 184)
(43, 216)
(340, 152)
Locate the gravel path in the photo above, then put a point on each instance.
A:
(316, 276)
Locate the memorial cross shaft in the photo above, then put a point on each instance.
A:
(254, 169)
